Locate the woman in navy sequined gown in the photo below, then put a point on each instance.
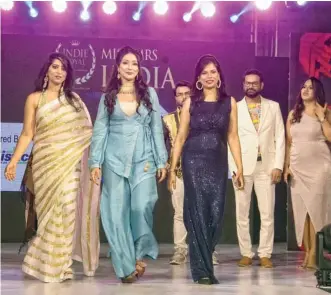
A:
(208, 125)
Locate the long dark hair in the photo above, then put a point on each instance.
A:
(319, 96)
(68, 83)
(197, 95)
(114, 83)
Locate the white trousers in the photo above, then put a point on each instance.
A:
(265, 192)
(180, 232)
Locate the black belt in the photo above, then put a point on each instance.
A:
(259, 158)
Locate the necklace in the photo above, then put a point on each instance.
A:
(133, 91)
(127, 89)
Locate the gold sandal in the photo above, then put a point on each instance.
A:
(130, 278)
(304, 263)
(311, 263)
(140, 268)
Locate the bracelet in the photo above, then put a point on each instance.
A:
(322, 121)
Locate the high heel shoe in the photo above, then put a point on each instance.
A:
(311, 262)
(304, 263)
(130, 278)
(205, 281)
(140, 268)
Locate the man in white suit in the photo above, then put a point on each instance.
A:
(262, 139)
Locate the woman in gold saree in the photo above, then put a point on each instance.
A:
(65, 200)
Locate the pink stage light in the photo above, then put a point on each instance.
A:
(85, 15)
(187, 17)
(161, 7)
(59, 5)
(109, 7)
(263, 4)
(33, 12)
(207, 9)
(301, 2)
(7, 5)
(234, 18)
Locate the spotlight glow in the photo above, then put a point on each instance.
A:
(7, 5)
(33, 12)
(109, 7)
(59, 5)
(234, 18)
(208, 9)
(160, 7)
(187, 17)
(85, 15)
(301, 2)
(136, 16)
(263, 4)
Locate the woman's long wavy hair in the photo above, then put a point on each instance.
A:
(114, 84)
(197, 95)
(299, 105)
(68, 83)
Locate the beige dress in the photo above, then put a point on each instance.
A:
(310, 163)
(66, 201)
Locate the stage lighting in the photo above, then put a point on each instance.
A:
(263, 4)
(6, 5)
(187, 17)
(207, 9)
(85, 15)
(301, 2)
(296, 5)
(33, 12)
(138, 13)
(234, 18)
(136, 16)
(59, 5)
(109, 7)
(160, 7)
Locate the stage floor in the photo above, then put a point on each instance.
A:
(162, 278)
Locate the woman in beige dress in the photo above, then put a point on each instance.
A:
(66, 202)
(308, 166)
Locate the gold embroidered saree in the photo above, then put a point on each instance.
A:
(66, 201)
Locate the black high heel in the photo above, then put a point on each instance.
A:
(205, 281)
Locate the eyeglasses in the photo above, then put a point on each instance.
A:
(254, 84)
(183, 94)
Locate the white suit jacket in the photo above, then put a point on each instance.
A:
(270, 137)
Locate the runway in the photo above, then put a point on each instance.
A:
(161, 278)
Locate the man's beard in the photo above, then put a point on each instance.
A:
(251, 93)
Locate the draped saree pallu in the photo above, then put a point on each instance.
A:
(65, 200)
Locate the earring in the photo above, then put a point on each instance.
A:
(219, 83)
(197, 85)
(118, 76)
(45, 83)
(62, 89)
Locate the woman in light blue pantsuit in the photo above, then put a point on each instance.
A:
(128, 147)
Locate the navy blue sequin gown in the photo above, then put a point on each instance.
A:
(205, 173)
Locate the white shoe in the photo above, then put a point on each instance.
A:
(179, 257)
(215, 260)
